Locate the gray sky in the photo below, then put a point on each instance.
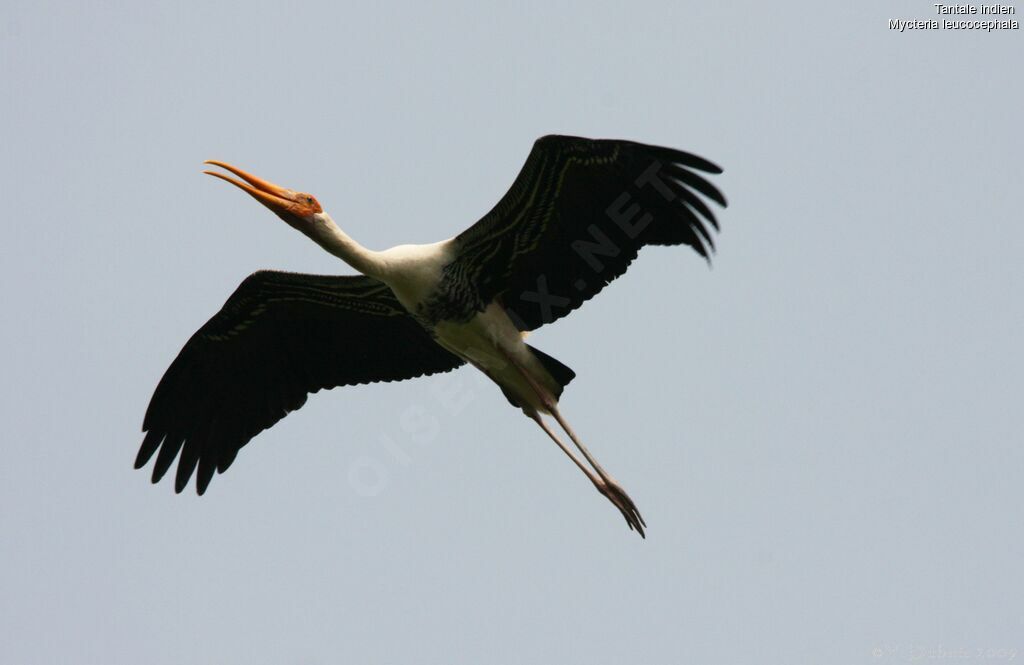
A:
(823, 431)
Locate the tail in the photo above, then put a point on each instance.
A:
(558, 371)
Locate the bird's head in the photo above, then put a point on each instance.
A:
(298, 209)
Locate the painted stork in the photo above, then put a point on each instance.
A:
(576, 216)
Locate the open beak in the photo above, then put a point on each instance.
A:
(278, 199)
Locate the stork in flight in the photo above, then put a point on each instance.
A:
(573, 220)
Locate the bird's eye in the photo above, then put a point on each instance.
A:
(309, 199)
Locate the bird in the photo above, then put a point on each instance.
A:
(572, 221)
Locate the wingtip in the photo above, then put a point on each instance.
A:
(158, 472)
(150, 444)
(203, 482)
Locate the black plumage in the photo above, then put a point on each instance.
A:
(573, 220)
(279, 337)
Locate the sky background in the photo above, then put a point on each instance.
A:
(823, 431)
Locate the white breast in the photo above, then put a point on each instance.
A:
(414, 271)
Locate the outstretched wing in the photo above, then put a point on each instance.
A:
(278, 337)
(575, 218)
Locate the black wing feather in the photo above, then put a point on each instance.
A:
(576, 217)
(279, 337)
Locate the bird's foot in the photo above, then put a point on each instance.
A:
(614, 493)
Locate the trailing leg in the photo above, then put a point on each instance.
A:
(604, 483)
(610, 489)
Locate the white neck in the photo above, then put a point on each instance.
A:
(328, 235)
